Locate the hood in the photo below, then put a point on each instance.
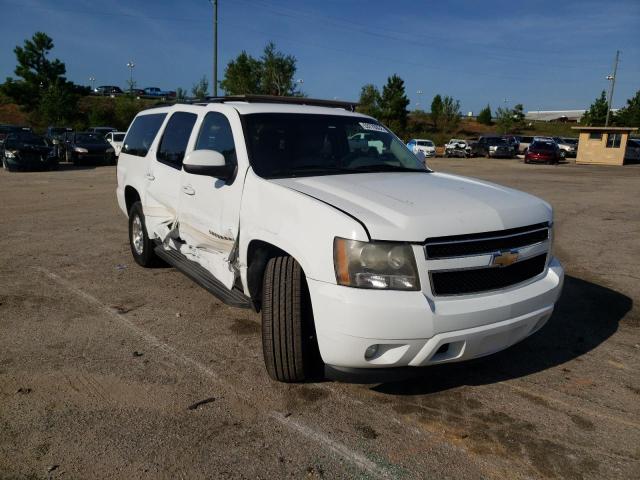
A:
(93, 147)
(416, 206)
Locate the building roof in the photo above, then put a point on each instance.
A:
(608, 129)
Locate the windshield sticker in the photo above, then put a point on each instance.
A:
(373, 126)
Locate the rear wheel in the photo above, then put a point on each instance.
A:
(288, 334)
(141, 245)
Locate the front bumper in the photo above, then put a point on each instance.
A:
(413, 329)
(18, 163)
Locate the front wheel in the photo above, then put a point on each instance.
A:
(288, 335)
(141, 245)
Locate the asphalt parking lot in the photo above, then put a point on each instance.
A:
(108, 370)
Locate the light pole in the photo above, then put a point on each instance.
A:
(419, 93)
(612, 79)
(131, 66)
(92, 79)
(215, 46)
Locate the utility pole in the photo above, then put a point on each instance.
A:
(215, 47)
(131, 66)
(612, 79)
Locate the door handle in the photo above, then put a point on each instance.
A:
(188, 189)
(150, 176)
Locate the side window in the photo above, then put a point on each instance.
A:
(215, 134)
(595, 136)
(175, 138)
(614, 140)
(141, 134)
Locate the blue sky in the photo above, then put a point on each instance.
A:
(544, 54)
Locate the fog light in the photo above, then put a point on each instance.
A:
(370, 352)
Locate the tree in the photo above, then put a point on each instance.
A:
(199, 89)
(484, 116)
(393, 105)
(436, 111)
(277, 72)
(36, 72)
(57, 105)
(505, 120)
(450, 115)
(597, 113)
(629, 116)
(181, 94)
(369, 102)
(242, 75)
(272, 74)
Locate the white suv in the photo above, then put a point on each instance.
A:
(359, 258)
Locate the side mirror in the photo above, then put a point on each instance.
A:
(209, 163)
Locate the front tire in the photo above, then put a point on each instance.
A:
(141, 245)
(288, 335)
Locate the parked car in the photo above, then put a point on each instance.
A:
(115, 140)
(513, 142)
(24, 150)
(632, 153)
(56, 133)
(567, 149)
(492, 147)
(86, 147)
(427, 147)
(108, 90)
(523, 143)
(102, 131)
(156, 92)
(457, 148)
(543, 151)
(360, 259)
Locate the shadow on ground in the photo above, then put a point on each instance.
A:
(586, 316)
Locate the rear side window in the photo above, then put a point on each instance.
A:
(175, 138)
(141, 134)
(216, 134)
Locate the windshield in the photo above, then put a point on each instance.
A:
(425, 143)
(542, 146)
(291, 145)
(88, 138)
(27, 138)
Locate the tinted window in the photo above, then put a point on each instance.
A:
(595, 136)
(89, 138)
(175, 138)
(118, 137)
(542, 146)
(141, 134)
(216, 134)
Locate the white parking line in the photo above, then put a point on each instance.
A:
(339, 449)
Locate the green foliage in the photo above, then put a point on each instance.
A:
(242, 75)
(369, 102)
(199, 89)
(485, 115)
(272, 74)
(597, 113)
(57, 105)
(450, 115)
(181, 94)
(393, 105)
(436, 111)
(629, 116)
(504, 120)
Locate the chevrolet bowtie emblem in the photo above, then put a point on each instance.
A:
(504, 259)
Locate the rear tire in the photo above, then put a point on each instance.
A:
(288, 335)
(141, 245)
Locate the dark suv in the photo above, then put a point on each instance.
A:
(108, 90)
(492, 147)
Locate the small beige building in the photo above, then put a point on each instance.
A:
(602, 145)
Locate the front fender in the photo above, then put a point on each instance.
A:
(299, 224)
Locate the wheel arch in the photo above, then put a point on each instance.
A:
(131, 196)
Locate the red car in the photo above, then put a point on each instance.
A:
(543, 152)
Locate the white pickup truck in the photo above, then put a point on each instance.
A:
(359, 258)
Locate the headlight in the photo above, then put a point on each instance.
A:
(9, 154)
(109, 150)
(80, 150)
(379, 265)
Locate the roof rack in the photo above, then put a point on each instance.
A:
(317, 102)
